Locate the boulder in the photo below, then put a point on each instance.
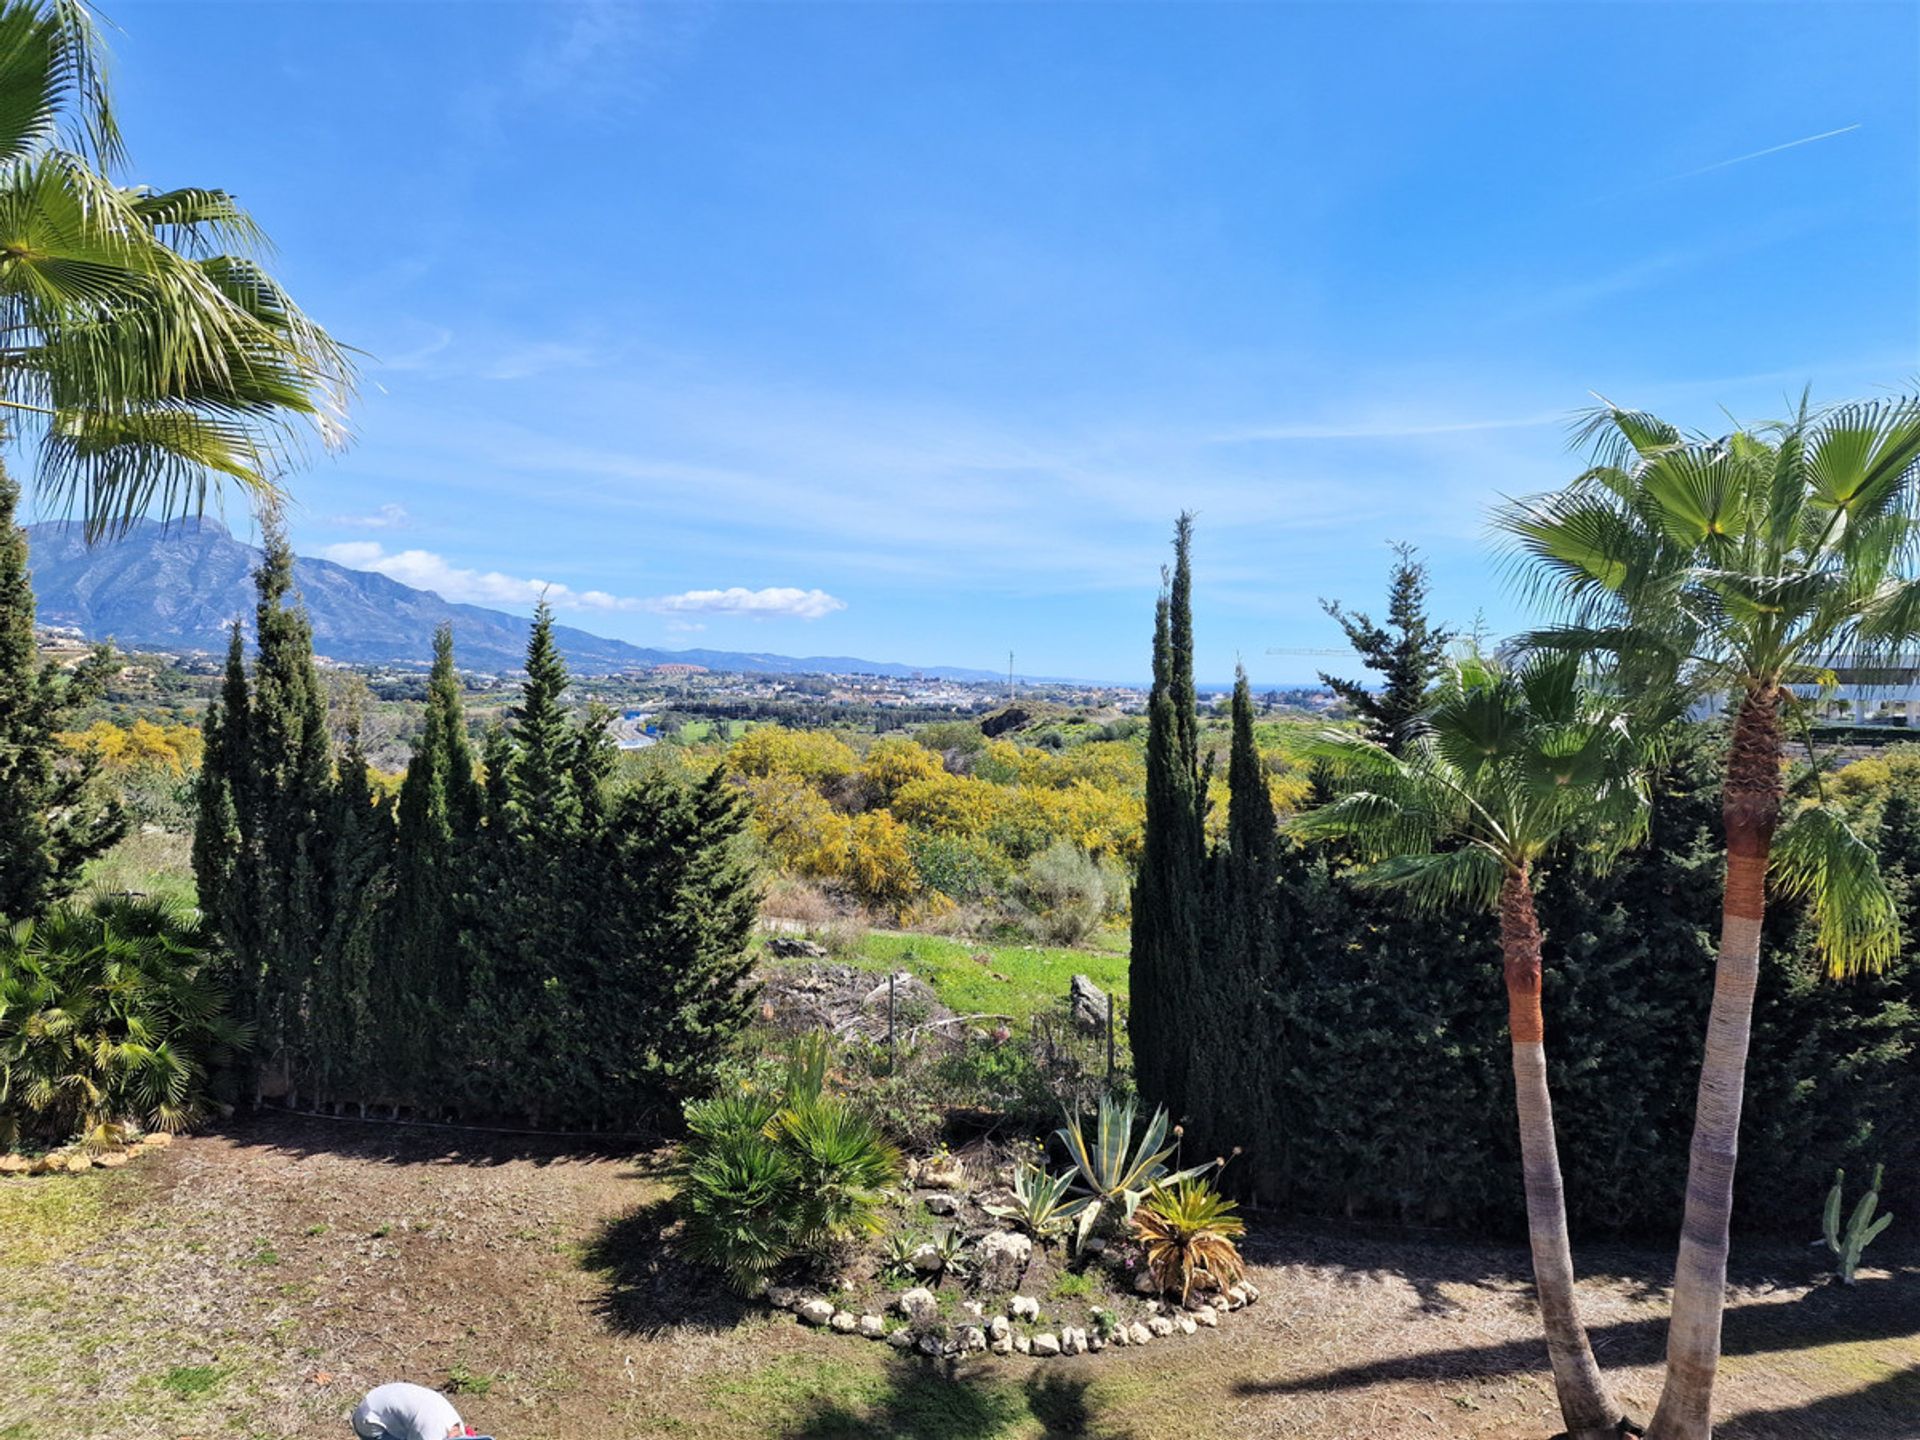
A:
(1138, 1334)
(1072, 1340)
(1096, 1342)
(1184, 1324)
(999, 1328)
(1024, 1307)
(926, 1259)
(815, 1312)
(1095, 1245)
(972, 1339)
(1120, 1335)
(78, 1164)
(931, 1344)
(1002, 1346)
(941, 1203)
(1220, 1304)
(1159, 1326)
(844, 1321)
(1046, 1344)
(110, 1159)
(901, 1339)
(1144, 1283)
(1209, 1318)
(873, 1327)
(793, 947)
(15, 1165)
(1236, 1297)
(1022, 1345)
(1089, 1003)
(159, 1139)
(1001, 1259)
(919, 1306)
(781, 1297)
(943, 1174)
(973, 1308)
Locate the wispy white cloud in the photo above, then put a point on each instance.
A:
(426, 570)
(1762, 154)
(387, 517)
(778, 600)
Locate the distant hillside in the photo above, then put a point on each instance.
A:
(179, 586)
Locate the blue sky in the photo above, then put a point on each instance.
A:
(904, 331)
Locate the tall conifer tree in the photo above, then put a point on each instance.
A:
(51, 822)
(1406, 653)
(421, 976)
(1169, 899)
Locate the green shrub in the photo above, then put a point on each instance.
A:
(1063, 894)
(765, 1184)
(107, 1016)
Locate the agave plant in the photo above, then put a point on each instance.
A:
(1187, 1229)
(1113, 1170)
(949, 1250)
(1040, 1207)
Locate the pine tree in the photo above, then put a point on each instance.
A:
(1407, 652)
(1169, 899)
(51, 820)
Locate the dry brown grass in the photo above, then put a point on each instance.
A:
(255, 1282)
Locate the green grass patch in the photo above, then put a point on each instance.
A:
(1036, 976)
(43, 1217)
(462, 1381)
(189, 1381)
(1071, 1286)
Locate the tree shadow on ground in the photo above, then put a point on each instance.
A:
(943, 1402)
(1873, 1310)
(1889, 1408)
(407, 1142)
(649, 1288)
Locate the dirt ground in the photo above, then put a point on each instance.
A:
(254, 1282)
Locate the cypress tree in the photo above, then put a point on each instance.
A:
(345, 1044)
(421, 979)
(532, 901)
(51, 819)
(263, 849)
(1232, 1087)
(1169, 899)
(679, 905)
(1406, 652)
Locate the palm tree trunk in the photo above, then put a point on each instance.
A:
(1585, 1406)
(1751, 808)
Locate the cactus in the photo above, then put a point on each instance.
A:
(1861, 1229)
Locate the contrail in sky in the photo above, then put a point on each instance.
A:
(1770, 150)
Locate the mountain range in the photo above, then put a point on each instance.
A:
(180, 586)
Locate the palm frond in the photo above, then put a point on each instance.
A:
(1818, 858)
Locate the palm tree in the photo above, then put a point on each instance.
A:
(145, 354)
(1504, 768)
(1742, 567)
